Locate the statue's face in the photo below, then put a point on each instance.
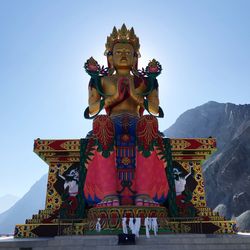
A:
(123, 55)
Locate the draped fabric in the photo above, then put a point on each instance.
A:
(125, 161)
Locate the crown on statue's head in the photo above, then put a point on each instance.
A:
(122, 35)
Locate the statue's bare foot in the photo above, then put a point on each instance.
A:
(145, 200)
(109, 201)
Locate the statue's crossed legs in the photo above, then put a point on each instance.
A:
(125, 168)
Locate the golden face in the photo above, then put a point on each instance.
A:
(123, 55)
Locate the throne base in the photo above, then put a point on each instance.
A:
(111, 222)
(111, 217)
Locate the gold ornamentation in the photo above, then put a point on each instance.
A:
(122, 35)
(126, 161)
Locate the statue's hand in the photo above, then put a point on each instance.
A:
(107, 102)
(116, 98)
(138, 98)
(123, 88)
(123, 92)
(134, 93)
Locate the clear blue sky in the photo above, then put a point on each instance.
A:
(203, 46)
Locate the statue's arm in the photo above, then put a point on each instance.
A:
(109, 101)
(113, 99)
(94, 100)
(153, 99)
(139, 99)
(136, 93)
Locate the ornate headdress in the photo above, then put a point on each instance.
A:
(123, 35)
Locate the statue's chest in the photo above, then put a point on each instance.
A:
(114, 84)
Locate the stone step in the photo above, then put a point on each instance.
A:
(170, 241)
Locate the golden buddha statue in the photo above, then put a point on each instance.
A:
(125, 166)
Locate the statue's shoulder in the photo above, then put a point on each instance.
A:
(108, 81)
(109, 78)
(139, 81)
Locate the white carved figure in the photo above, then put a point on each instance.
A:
(150, 224)
(154, 225)
(137, 226)
(71, 181)
(180, 180)
(124, 225)
(146, 224)
(98, 227)
(132, 225)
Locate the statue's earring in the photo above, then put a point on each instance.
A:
(111, 69)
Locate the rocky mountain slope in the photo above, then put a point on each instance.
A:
(227, 172)
(28, 205)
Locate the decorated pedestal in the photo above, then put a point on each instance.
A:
(111, 217)
(185, 212)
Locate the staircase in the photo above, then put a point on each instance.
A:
(166, 242)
